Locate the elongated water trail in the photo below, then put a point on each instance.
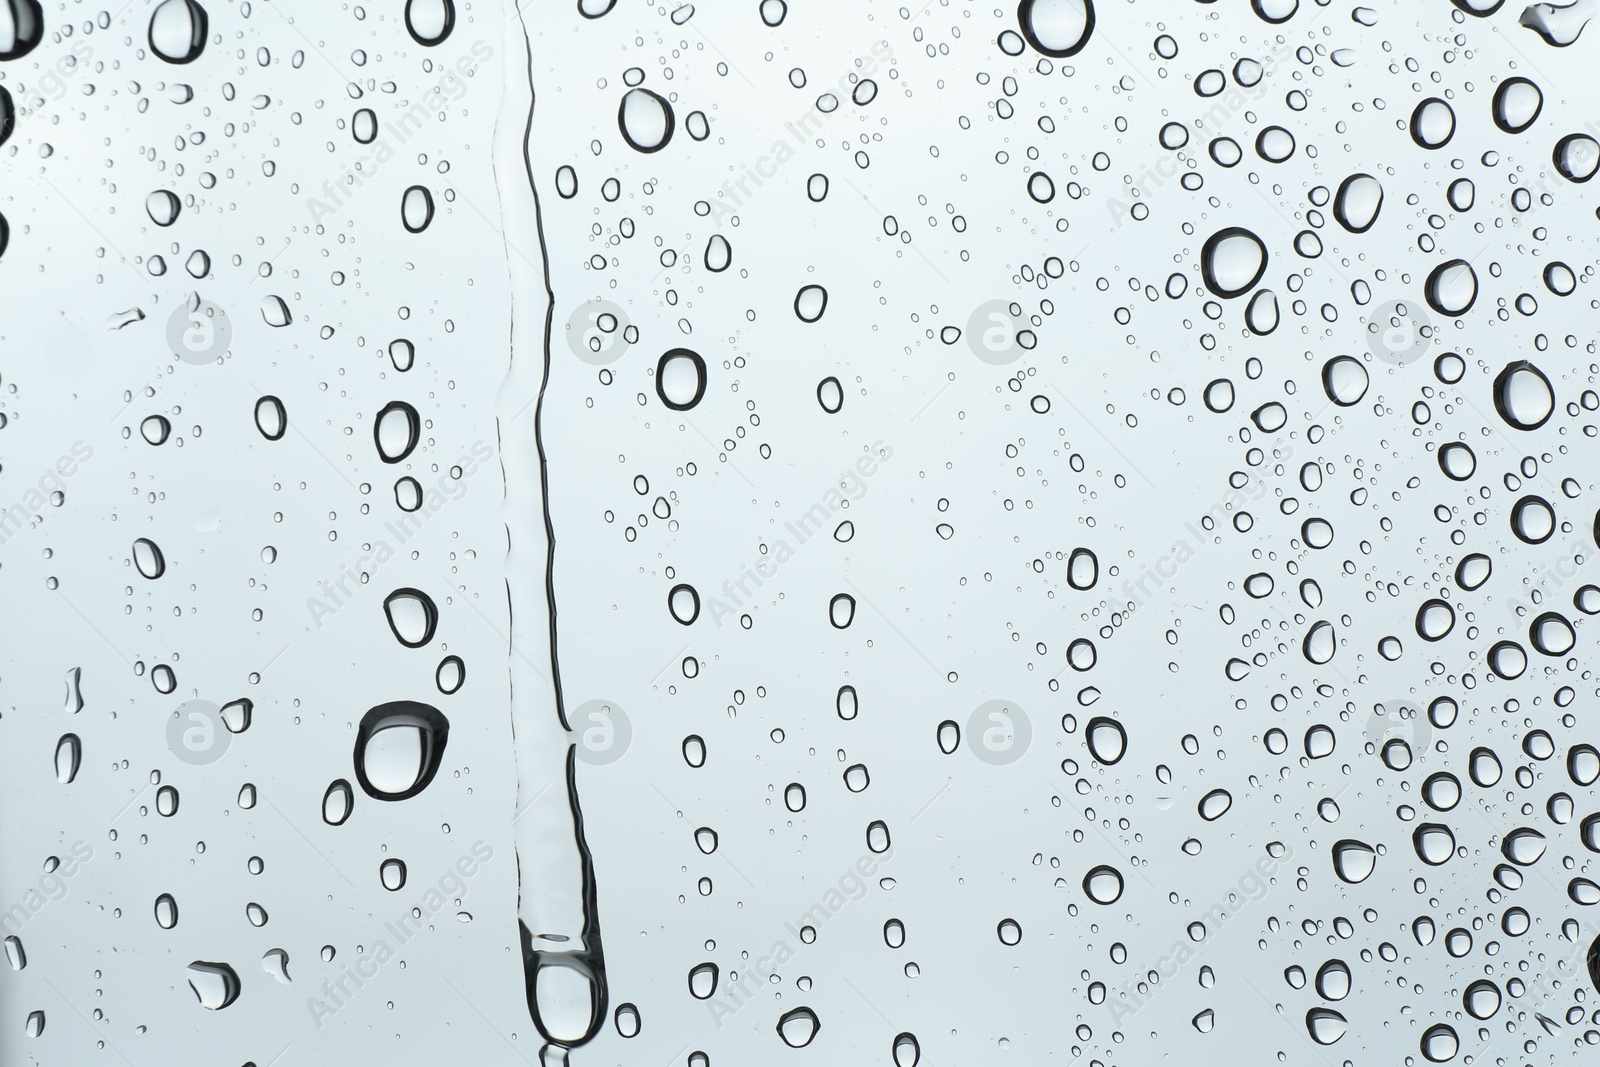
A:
(559, 927)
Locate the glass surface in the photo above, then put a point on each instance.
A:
(606, 533)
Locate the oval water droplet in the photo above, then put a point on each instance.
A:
(1433, 123)
(1325, 1025)
(1354, 861)
(416, 208)
(166, 911)
(646, 120)
(683, 601)
(69, 756)
(718, 254)
(21, 28)
(337, 803)
(830, 394)
(841, 610)
(395, 431)
(1103, 884)
(1057, 28)
(1452, 288)
(178, 30)
(680, 379)
(1357, 203)
(1523, 396)
(1107, 740)
(398, 748)
(163, 207)
(1232, 261)
(430, 21)
(798, 1027)
(271, 419)
(215, 985)
(810, 302)
(412, 616)
(148, 560)
(1517, 103)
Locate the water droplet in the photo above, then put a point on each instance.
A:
(271, 419)
(1232, 261)
(337, 803)
(1103, 884)
(680, 379)
(178, 30)
(398, 748)
(1057, 28)
(798, 1026)
(148, 560)
(1523, 396)
(416, 205)
(412, 616)
(430, 21)
(69, 756)
(215, 985)
(395, 431)
(646, 120)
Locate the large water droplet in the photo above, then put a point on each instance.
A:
(1103, 884)
(399, 746)
(1357, 202)
(1523, 396)
(680, 379)
(147, 558)
(1353, 861)
(1452, 288)
(69, 756)
(215, 985)
(395, 431)
(416, 208)
(646, 120)
(178, 30)
(430, 21)
(1517, 103)
(1232, 261)
(21, 27)
(337, 803)
(412, 616)
(798, 1026)
(1058, 28)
